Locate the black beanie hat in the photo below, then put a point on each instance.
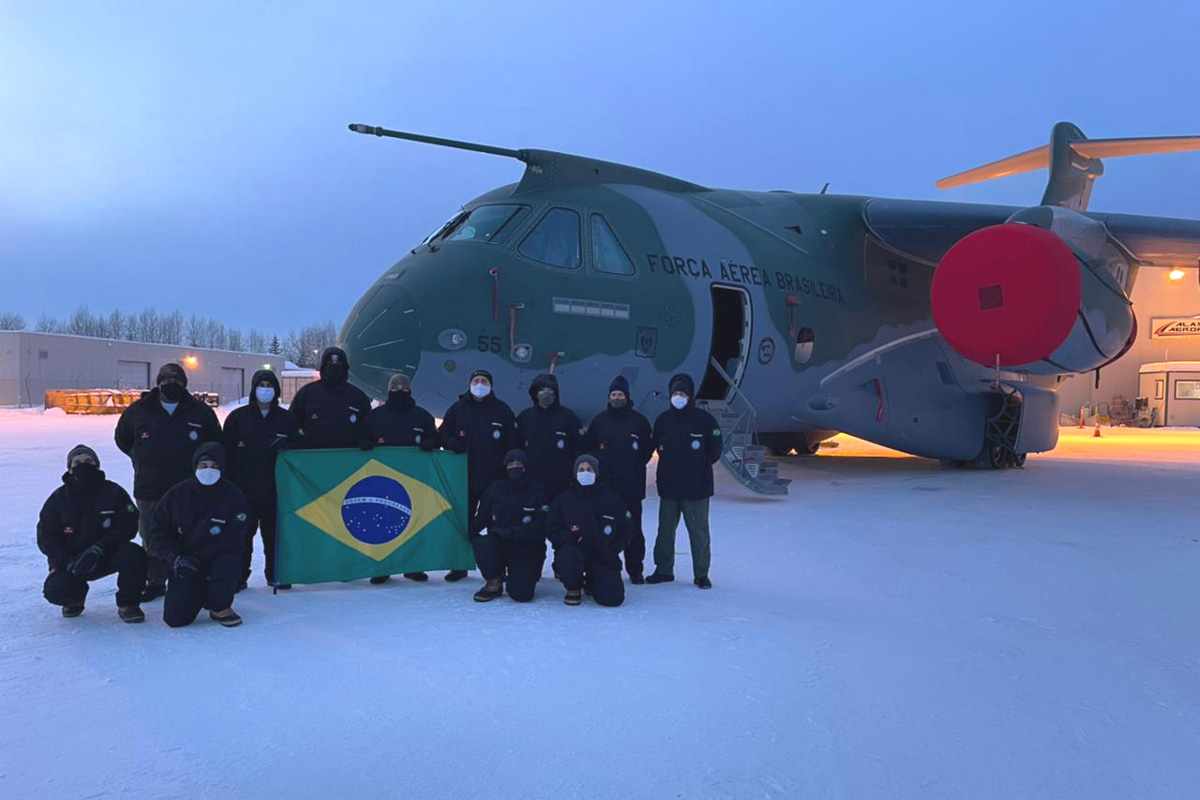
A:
(516, 456)
(82, 449)
(210, 450)
(481, 373)
(172, 370)
(588, 458)
(619, 384)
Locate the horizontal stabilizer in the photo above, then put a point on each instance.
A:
(1074, 162)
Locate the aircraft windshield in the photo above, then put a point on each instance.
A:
(485, 224)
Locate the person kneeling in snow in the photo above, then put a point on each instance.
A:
(589, 527)
(199, 531)
(509, 533)
(86, 530)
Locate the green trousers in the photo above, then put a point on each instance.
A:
(695, 517)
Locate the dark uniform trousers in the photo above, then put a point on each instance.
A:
(156, 571)
(262, 518)
(212, 587)
(635, 550)
(577, 571)
(695, 518)
(523, 561)
(128, 561)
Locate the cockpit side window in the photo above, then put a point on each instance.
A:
(448, 225)
(607, 253)
(555, 240)
(486, 224)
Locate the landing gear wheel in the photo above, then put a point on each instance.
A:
(997, 456)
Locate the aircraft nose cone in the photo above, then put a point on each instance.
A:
(383, 337)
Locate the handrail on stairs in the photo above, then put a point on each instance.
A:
(737, 392)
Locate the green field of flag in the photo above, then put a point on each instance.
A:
(347, 514)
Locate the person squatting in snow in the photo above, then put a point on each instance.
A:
(531, 478)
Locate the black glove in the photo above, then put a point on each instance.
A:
(428, 443)
(185, 566)
(86, 562)
(280, 443)
(366, 444)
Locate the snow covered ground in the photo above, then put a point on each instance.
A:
(892, 629)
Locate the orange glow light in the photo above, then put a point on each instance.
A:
(1175, 275)
(191, 362)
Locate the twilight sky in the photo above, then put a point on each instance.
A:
(196, 155)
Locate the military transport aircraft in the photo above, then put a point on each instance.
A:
(938, 329)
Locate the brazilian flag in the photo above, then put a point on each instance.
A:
(348, 514)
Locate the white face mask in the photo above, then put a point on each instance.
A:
(208, 475)
(585, 478)
(679, 400)
(264, 394)
(480, 389)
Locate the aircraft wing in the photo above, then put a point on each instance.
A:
(1155, 241)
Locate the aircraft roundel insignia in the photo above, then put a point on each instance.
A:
(353, 418)
(695, 444)
(193, 436)
(376, 509)
(215, 530)
(495, 434)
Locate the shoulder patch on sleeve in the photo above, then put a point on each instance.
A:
(716, 431)
(242, 517)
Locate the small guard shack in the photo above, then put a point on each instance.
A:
(1172, 392)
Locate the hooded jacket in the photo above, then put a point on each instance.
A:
(688, 441)
(593, 518)
(624, 442)
(200, 521)
(400, 422)
(550, 436)
(74, 518)
(161, 444)
(331, 413)
(253, 442)
(513, 509)
(484, 430)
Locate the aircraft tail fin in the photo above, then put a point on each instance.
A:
(1074, 162)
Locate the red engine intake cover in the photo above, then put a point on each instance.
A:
(1008, 290)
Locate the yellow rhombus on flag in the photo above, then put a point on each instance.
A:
(375, 510)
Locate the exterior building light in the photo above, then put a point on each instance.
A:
(191, 362)
(1175, 274)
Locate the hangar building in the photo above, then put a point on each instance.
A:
(1168, 318)
(33, 363)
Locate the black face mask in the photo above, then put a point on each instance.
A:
(86, 475)
(334, 373)
(618, 404)
(399, 396)
(516, 473)
(545, 398)
(172, 392)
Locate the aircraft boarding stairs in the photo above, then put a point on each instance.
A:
(745, 459)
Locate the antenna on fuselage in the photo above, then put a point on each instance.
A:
(824, 188)
(375, 130)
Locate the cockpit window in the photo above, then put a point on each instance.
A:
(555, 240)
(607, 253)
(445, 226)
(486, 224)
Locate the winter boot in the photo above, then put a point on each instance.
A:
(72, 611)
(456, 575)
(153, 591)
(229, 618)
(492, 589)
(378, 579)
(659, 577)
(419, 577)
(131, 613)
(703, 583)
(636, 578)
(574, 597)
(281, 587)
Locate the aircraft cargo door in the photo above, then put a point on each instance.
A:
(731, 324)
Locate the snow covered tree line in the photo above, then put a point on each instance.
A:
(302, 348)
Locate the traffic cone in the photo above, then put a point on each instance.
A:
(1096, 433)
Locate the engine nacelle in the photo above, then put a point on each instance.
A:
(1046, 293)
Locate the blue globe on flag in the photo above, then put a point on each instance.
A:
(376, 510)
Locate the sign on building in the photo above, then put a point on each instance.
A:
(1174, 327)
